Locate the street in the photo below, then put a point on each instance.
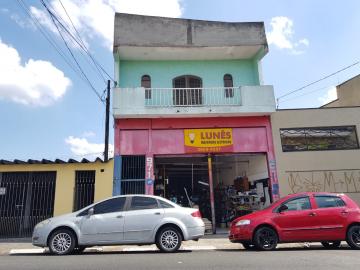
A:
(283, 258)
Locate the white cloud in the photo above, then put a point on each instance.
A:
(81, 147)
(21, 22)
(281, 35)
(88, 134)
(36, 82)
(95, 18)
(330, 95)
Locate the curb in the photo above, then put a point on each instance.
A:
(101, 249)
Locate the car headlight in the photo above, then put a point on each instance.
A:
(242, 222)
(43, 223)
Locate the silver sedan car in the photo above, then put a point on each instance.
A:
(129, 219)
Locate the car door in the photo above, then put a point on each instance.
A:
(141, 219)
(331, 216)
(296, 223)
(106, 224)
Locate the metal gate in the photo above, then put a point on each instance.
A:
(84, 189)
(133, 175)
(26, 198)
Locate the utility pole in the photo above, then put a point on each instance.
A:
(106, 151)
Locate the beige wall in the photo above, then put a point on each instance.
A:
(65, 180)
(334, 171)
(348, 94)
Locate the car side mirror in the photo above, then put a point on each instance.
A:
(283, 208)
(90, 212)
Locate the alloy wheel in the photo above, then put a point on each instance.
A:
(62, 242)
(265, 239)
(353, 237)
(169, 239)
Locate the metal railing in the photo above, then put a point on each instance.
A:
(132, 186)
(215, 96)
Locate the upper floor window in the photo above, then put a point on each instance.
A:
(228, 84)
(319, 138)
(187, 81)
(187, 90)
(146, 83)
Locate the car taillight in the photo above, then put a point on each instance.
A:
(196, 214)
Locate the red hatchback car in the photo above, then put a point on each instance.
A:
(304, 217)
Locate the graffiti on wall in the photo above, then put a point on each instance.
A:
(344, 181)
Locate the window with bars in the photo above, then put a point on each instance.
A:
(319, 138)
(228, 84)
(187, 90)
(146, 83)
(84, 189)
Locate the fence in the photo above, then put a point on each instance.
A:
(216, 96)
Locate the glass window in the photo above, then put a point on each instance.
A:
(319, 138)
(298, 204)
(329, 201)
(146, 83)
(141, 203)
(164, 204)
(110, 206)
(228, 84)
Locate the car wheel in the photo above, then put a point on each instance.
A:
(265, 238)
(248, 246)
(168, 239)
(332, 244)
(62, 242)
(353, 237)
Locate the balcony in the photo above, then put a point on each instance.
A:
(193, 102)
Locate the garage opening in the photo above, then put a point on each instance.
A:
(240, 184)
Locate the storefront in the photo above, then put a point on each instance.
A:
(223, 165)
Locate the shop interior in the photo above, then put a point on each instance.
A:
(240, 183)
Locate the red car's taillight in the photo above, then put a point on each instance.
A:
(196, 214)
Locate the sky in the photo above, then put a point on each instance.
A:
(48, 109)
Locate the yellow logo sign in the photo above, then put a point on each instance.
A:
(218, 137)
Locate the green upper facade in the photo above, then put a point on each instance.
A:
(211, 72)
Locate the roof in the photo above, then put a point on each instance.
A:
(138, 37)
(47, 161)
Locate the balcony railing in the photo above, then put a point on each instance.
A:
(189, 97)
(195, 102)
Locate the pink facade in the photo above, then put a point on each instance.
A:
(153, 137)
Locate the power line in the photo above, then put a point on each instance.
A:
(44, 33)
(70, 51)
(79, 42)
(38, 25)
(319, 80)
(307, 93)
(94, 62)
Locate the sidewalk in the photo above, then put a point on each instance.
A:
(209, 242)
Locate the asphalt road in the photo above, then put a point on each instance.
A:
(294, 258)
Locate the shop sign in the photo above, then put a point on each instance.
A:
(208, 140)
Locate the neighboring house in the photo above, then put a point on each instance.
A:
(318, 149)
(348, 94)
(190, 109)
(34, 190)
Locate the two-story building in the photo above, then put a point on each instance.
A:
(192, 118)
